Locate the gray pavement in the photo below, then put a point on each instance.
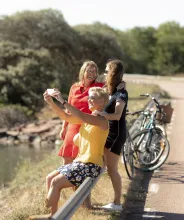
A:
(160, 194)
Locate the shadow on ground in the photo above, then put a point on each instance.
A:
(134, 205)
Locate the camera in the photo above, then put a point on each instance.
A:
(50, 91)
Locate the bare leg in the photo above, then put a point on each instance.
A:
(49, 179)
(112, 168)
(58, 183)
(68, 160)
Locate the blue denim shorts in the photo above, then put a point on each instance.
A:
(77, 172)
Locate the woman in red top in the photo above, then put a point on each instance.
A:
(78, 98)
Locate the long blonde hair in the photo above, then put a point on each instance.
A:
(83, 69)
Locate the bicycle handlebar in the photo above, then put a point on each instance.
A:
(154, 99)
(146, 112)
(134, 113)
(146, 95)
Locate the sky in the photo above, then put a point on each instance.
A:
(119, 14)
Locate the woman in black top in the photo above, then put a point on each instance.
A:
(117, 133)
(115, 112)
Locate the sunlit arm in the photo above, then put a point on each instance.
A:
(118, 112)
(65, 123)
(87, 118)
(64, 115)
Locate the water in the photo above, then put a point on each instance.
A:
(11, 156)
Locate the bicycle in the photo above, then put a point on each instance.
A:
(149, 148)
(128, 155)
(129, 146)
(153, 145)
(145, 119)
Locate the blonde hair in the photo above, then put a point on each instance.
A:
(101, 93)
(83, 69)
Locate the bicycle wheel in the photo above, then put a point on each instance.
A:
(152, 149)
(128, 157)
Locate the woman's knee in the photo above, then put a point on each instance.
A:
(59, 182)
(49, 178)
(55, 183)
(51, 175)
(111, 169)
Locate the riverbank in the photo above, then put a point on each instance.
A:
(42, 133)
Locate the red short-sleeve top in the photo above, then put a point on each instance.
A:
(78, 96)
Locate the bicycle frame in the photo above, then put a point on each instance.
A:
(151, 126)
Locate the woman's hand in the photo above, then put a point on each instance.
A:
(57, 95)
(121, 85)
(62, 133)
(47, 97)
(99, 113)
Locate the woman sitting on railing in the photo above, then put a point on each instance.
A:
(90, 139)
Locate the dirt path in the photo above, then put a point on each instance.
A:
(161, 194)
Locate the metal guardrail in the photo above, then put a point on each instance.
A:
(77, 198)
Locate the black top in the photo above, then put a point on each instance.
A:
(117, 129)
(110, 107)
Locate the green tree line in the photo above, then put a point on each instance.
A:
(40, 50)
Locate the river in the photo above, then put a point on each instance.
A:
(12, 156)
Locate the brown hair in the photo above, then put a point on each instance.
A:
(115, 74)
(83, 69)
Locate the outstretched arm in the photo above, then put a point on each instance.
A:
(83, 117)
(63, 131)
(87, 118)
(62, 114)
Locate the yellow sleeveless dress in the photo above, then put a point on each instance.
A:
(91, 141)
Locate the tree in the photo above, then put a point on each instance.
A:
(169, 49)
(138, 44)
(24, 74)
(45, 29)
(98, 43)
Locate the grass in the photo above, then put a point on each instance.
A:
(25, 195)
